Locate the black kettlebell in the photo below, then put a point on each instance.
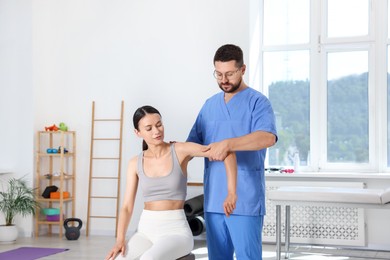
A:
(72, 233)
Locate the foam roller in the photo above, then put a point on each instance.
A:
(194, 206)
(197, 225)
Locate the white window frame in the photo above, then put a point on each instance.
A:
(376, 43)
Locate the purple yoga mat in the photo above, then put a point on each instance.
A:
(29, 253)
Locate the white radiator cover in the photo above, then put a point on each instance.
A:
(316, 224)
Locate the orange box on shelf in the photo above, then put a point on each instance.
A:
(56, 195)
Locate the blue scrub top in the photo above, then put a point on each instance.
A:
(248, 111)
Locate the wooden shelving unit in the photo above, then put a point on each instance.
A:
(57, 169)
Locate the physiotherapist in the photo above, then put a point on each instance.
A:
(239, 119)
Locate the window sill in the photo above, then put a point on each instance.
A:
(333, 175)
(317, 176)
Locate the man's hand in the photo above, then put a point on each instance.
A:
(218, 151)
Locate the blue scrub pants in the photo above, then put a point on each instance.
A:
(235, 234)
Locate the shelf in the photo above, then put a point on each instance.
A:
(46, 222)
(56, 132)
(54, 200)
(57, 169)
(56, 178)
(55, 154)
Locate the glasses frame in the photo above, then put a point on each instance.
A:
(229, 75)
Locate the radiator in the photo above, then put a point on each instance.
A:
(324, 225)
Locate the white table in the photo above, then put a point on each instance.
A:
(335, 197)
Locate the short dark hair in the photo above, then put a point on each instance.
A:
(139, 114)
(229, 52)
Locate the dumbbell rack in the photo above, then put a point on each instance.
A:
(57, 169)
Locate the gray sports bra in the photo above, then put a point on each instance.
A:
(170, 187)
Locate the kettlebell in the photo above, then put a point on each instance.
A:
(72, 233)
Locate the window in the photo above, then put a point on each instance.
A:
(388, 107)
(344, 21)
(286, 73)
(388, 85)
(320, 68)
(347, 107)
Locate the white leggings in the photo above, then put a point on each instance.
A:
(161, 235)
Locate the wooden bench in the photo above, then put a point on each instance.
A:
(335, 197)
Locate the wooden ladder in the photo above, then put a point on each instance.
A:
(93, 176)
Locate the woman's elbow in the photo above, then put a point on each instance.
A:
(270, 140)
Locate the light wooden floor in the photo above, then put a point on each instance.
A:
(96, 247)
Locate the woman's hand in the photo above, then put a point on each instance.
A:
(120, 247)
(229, 204)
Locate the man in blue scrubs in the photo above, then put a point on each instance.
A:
(238, 119)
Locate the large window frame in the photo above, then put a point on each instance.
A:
(376, 43)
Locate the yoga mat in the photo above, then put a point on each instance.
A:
(30, 253)
(194, 206)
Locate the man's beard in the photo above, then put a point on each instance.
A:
(233, 89)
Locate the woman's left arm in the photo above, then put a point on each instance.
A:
(231, 174)
(188, 150)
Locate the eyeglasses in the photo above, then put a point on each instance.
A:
(229, 75)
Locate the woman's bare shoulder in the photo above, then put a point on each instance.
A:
(133, 159)
(180, 147)
(133, 163)
(183, 146)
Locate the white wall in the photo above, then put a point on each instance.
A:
(16, 95)
(56, 57)
(67, 53)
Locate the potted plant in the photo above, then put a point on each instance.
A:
(15, 198)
